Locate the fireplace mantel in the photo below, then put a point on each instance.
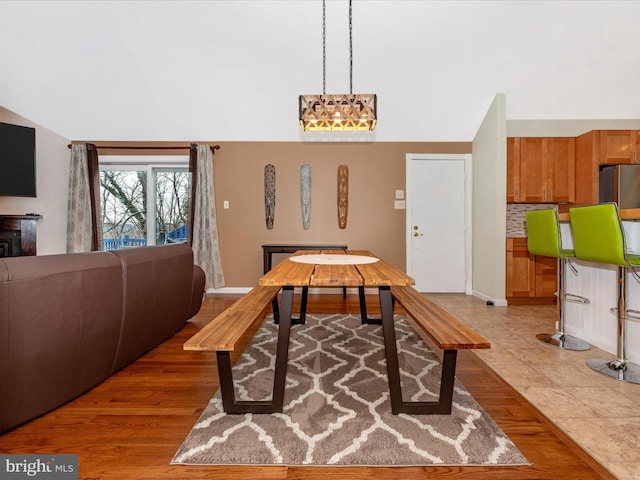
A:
(18, 235)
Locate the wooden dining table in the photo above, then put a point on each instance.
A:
(350, 268)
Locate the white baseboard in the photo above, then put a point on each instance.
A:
(229, 290)
(493, 301)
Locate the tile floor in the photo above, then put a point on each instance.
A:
(599, 413)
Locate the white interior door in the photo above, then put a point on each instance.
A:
(436, 219)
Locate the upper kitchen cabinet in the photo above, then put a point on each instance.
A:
(540, 170)
(618, 147)
(588, 168)
(602, 147)
(561, 169)
(513, 169)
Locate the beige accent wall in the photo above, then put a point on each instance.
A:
(52, 184)
(376, 171)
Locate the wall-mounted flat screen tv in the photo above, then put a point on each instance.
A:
(17, 160)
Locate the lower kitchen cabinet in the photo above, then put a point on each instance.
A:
(529, 277)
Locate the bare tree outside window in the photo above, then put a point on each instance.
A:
(125, 209)
(172, 198)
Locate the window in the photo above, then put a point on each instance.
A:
(144, 200)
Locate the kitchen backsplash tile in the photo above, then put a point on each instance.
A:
(516, 212)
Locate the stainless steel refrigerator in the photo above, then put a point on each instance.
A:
(620, 184)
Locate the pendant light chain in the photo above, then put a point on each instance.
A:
(350, 51)
(324, 47)
(337, 111)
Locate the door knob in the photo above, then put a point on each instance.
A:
(416, 234)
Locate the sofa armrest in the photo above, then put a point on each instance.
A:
(197, 291)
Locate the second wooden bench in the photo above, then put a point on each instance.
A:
(446, 331)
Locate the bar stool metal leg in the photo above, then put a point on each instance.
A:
(560, 339)
(620, 368)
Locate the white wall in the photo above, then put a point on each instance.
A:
(489, 205)
(233, 69)
(52, 172)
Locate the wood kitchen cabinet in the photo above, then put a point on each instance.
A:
(602, 147)
(540, 170)
(546, 276)
(513, 169)
(521, 274)
(529, 276)
(619, 147)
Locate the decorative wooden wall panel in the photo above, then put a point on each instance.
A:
(305, 195)
(269, 194)
(343, 195)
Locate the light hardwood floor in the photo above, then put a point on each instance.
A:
(130, 426)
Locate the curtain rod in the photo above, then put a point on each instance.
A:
(122, 147)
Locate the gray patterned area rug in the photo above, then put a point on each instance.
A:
(337, 409)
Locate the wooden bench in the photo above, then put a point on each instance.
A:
(447, 333)
(223, 334)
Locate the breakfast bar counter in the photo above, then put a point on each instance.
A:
(626, 214)
(594, 322)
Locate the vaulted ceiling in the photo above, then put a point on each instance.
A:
(232, 70)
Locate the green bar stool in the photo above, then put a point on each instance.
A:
(544, 238)
(598, 236)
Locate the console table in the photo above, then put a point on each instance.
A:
(18, 235)
(267, 252)
(270, 248)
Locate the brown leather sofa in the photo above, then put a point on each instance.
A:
(68, 322)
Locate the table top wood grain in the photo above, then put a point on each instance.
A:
(380, 273)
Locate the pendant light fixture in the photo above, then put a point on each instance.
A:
(339, 111)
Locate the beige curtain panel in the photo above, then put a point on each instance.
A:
(84, 223)
(205, 244)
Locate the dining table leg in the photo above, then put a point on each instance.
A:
(390, 348)
(301, 320)
(282, 348)
(364, 318)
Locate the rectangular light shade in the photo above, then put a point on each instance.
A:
(338, 112)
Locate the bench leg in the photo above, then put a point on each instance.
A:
(275, 405)
(444, 403)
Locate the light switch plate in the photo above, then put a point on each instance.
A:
(399, 205)
(225, 204)
(399, 194)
